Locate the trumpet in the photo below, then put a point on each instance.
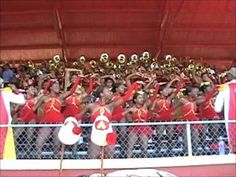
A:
(82, 59)
(121, 58)
(104, 58)
(56, 59)
(93, 63)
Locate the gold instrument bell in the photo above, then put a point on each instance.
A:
(134, 58)
(93, 63)
(121, 58)
(82, 59)
(154, 65)
(104, 58)
(191, 67)
(56, 58)
(168, 57)
(109, 65)
(31, 65)
(146, 55)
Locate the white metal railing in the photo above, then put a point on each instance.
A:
(187, 124)
(124, 124)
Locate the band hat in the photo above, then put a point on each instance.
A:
(70, 131)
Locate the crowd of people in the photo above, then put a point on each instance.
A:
(138, 93)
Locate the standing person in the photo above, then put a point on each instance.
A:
(139, 114)
(8, 74)
(188, 105)
(227, 99)
(7, 147)
(27, 116)
(52, 114)
(207, 112)
(119, 91)
(104, 107)
(75, 100)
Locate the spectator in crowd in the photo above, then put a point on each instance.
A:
(8, 74)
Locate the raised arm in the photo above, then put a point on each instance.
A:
(132, 89)
(73, 88)
(129, 77)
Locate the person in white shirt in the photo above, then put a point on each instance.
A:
(226, 99)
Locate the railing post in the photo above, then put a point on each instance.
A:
(189, 140)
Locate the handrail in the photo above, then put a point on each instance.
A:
(123, 124)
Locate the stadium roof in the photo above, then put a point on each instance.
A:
(39, 29)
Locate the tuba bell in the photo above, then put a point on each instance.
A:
(146, 55)
(154, 65)
(56, 58)
(121, 58)
(93, 63)
(109, 64)
(168, 57)
(134, 58)
(82, 59)
(104, 58)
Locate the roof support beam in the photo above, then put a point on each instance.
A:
(60, 34)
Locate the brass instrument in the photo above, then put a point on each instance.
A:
(56, 58)
(121, 58)
(93, 63)
(146, 55)
(51, 62)
(31, 64)
(154, 66)
(75, 64)
(82, 59)
(114, 66)
(168, 57)
(109, 64)
(191, 67)
(167, 65)
(134, 58)
(174, 59)
(104, 58)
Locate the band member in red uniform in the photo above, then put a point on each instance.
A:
(26, 112)
(104, 106)
(139, 114)
(117, 116)
(52, 114)
(74, 101)
(207, 112)
(188, 105)
(26, 115)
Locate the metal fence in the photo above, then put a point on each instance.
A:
(135, 140)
